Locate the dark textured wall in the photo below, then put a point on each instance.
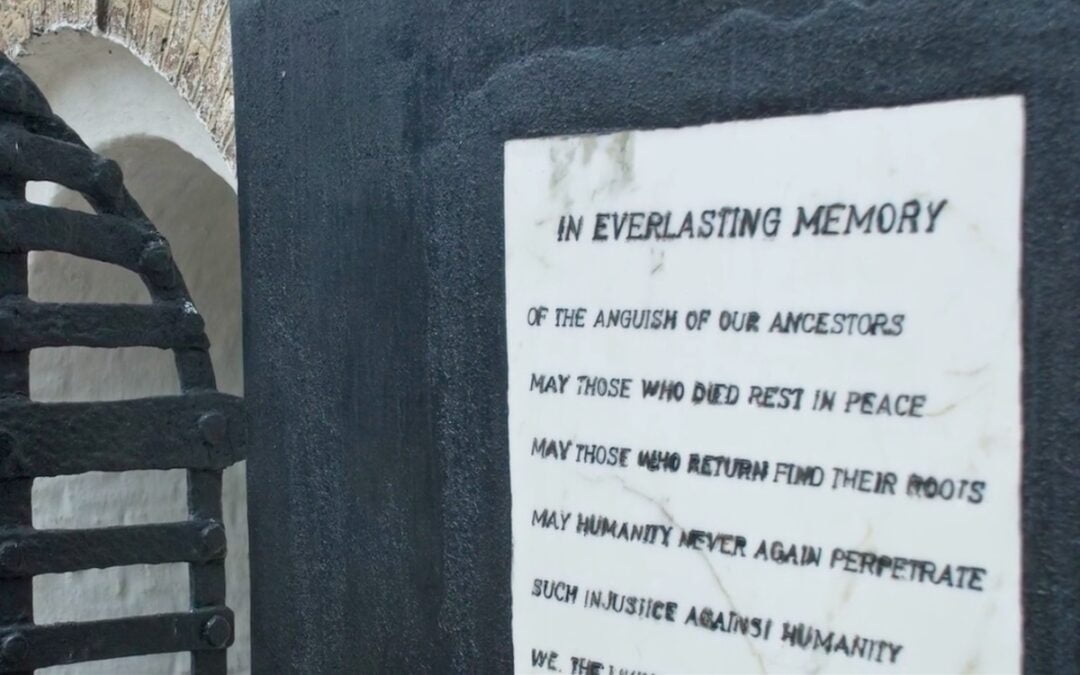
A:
(370, 140)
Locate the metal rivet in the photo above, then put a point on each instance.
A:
(217, 631)
(108, 173)
(108, 179)
(213, 426)
(11, 558)
(213, 540)
(14, 648)
(156, 261)
(155, 257)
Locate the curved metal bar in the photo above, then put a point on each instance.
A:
(194, 430)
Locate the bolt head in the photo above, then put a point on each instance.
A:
(217, 632)
(14, 648)
(214, 427)
(213, 540)
(156, 262)
(108, 174)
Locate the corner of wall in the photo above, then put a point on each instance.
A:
(188, 42)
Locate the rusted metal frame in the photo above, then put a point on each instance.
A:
(207, 628)
(103, 187)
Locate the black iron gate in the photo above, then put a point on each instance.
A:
(200, 430)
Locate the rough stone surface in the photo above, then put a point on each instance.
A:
(375, 214)
(187, 41)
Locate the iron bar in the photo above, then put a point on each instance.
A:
(28, 646)
(203, 430)
(28, 552)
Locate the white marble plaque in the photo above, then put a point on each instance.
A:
(764, 394)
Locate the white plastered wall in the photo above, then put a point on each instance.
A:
(126, 111)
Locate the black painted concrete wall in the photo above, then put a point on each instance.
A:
(370, 167)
